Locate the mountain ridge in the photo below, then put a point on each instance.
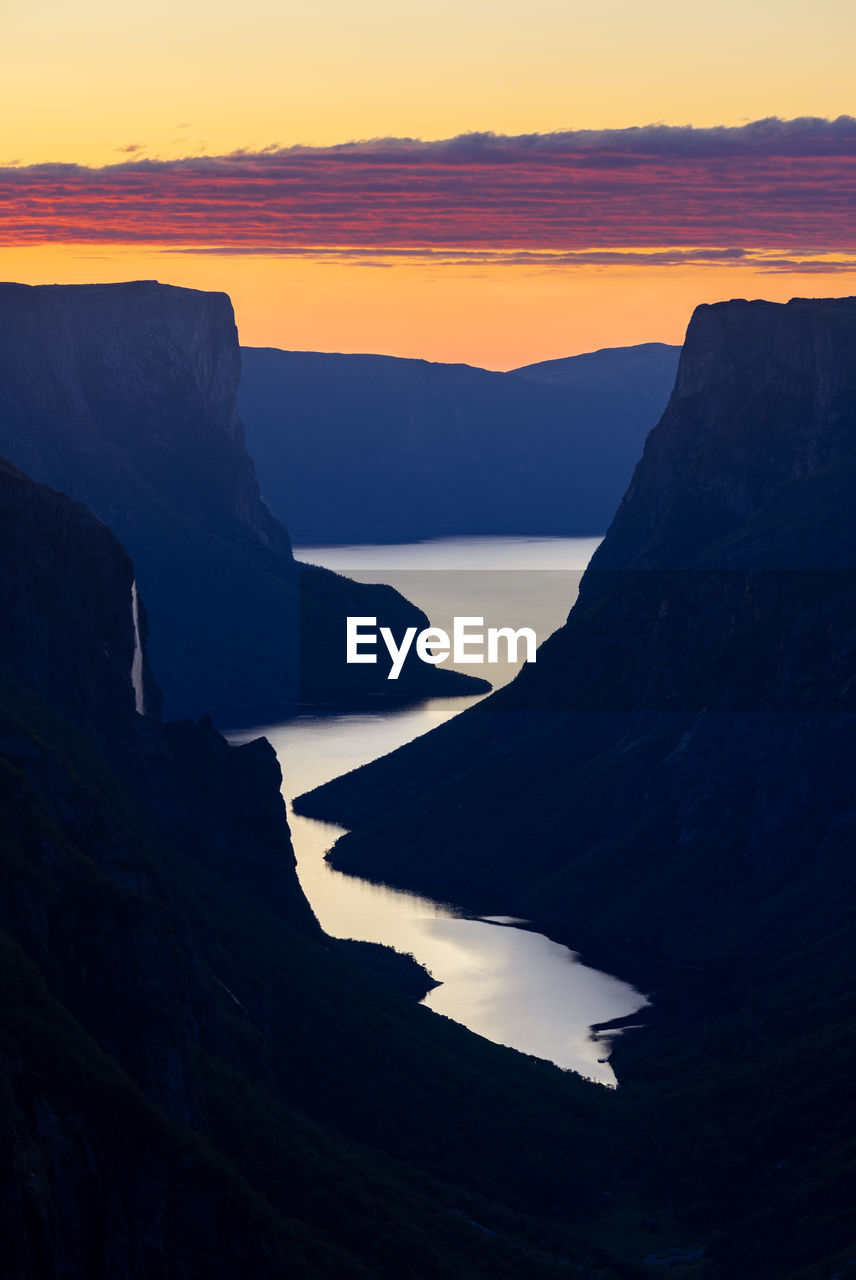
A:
(123, 396)
(426, 449)
(569, 367)
(654, 616)
(189, 1067)
(675, 771)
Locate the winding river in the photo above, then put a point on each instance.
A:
(509, 984)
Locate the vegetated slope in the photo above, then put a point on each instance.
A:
(195, 1081)
(123, 396)
(676, 769)
(374, 448)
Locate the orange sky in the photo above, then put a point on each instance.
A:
(97, 83)
(181, 77)
(492, 317)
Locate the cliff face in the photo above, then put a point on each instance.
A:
(676, 757)
(123, 396)
(760, 421)
(372, 448)
(70, 633)
(189, 1070)
(105, 998)
(127, 393)
(676, 770)
(67, 649)
(62, 568)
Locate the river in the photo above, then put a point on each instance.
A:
(509, 984)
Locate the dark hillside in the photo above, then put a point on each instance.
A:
(195, 1080)
(369, 448)
(676, 770)
(123, 396)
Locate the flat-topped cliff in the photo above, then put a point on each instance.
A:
(676, 771)
(123, 396)
(695, 710)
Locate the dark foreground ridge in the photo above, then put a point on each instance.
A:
(364, 448)
(195, 1081)
(123, 396)
(676, 771)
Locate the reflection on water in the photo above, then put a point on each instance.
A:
(470, 554)
(509, 984)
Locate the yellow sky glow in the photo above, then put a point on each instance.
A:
(103, 81)
(179, 77)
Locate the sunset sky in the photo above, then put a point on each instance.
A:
(489, 182)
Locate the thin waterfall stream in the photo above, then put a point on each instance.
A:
(137, 663)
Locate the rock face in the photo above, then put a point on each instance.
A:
(123, 396)
(760, 422)
(676, 771)
(104, 1000)
(61, 565)
(373, 449)
(129, 390)
(190, 1072)
(69, 634)
(676, 759)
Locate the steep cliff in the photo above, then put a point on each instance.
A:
(64, 574)
(676, 770)
(123, 396)
(104, 996)
(373, 448)
(194, 1081)
(700, 696)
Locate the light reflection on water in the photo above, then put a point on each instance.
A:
(512, 985)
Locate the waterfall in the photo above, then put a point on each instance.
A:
(137, 664)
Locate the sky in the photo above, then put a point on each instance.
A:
(488, 182)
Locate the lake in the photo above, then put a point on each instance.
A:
(509, 984)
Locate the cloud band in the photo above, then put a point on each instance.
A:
(786, 187)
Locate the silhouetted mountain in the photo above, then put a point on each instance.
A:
(676, 770)
(373, 448)
(645, 373)
(195, 1081)
(123, 396)
(719, 598)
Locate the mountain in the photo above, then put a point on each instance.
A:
(123, 396)
(645, 373)
(195, 1080)
(718, 602)
(374, 448)
(675, 770)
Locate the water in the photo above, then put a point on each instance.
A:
(512, 985)
(505, 554)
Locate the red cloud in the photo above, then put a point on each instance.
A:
(776, 185)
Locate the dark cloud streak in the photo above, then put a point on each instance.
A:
(785, 187)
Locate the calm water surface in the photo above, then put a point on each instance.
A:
(509, 984)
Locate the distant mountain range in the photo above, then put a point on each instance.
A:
(372, 448)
